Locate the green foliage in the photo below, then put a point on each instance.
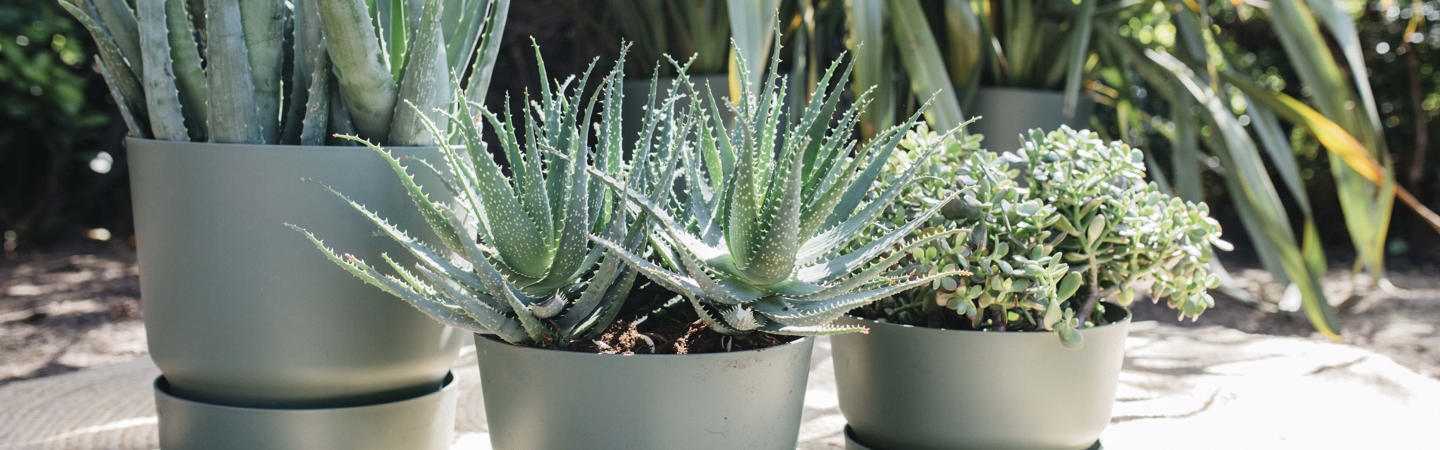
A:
(276, 72)
(513, 257)
(1048, 232)
(54, 114)
(767, 233)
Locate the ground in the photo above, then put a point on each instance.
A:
(77, 306)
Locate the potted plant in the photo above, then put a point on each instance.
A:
(1017, 65)
(563, 336)
(257, 347)
(1058, 237)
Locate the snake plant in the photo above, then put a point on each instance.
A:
(766, 237)
(289, 72)
(512, 255)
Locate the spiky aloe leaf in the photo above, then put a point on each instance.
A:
(167, 122)
(263, 24)
(425, 86)
(233, 111)
(360, 64)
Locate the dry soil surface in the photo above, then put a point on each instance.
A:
(78, 306)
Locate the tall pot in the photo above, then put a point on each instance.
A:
(910, 387)
(1008, 113)
(241, 311)
(554, 399)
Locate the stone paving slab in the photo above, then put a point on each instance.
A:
(1190, 388)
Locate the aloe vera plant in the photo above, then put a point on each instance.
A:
(766, 237)
(1048, 232)
(221, 71)
(512, 257)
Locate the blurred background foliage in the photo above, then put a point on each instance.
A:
(62, 167)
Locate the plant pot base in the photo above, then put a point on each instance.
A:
(423, 422)
(852, 444)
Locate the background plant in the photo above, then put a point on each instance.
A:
(1050, 231)
(757, 240)
(54, 114)
(265, 74)
(513, 257)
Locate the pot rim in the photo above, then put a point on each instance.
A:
(881, 324)
(648, 356)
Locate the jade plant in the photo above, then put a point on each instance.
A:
(766, 233)
(278, 72)
(1049, 233)
(511, 254)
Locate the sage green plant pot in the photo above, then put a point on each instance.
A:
(243, 311)
(552, 399)
(424, 422)
(909, 387)
(1008, 113)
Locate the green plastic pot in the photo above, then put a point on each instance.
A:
(241, 310)
(910, 387)
(1008, 113)
(553, 399)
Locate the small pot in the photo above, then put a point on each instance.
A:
(910, 387)
(1008, 113)
(554, 399)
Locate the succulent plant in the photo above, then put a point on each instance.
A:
(1050, 231)
(765, 235)
(278, 72)
(512, 255)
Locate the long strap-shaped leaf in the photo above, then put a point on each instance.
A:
(264, 26)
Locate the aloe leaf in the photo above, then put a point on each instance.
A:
(365, 79)
(875, 269)
(425, 86)
(233, 111)
(493, 30)
(119, 20)
(428, 209)
(132, 121)
(773, 249)
(162, 100)
(817, 330)
(752, 27)
(263, 24)
(824, 311)
(670, 280)
(441, 312)
(185, 61)
(317, 102)
(122, 81)
(509, 226)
